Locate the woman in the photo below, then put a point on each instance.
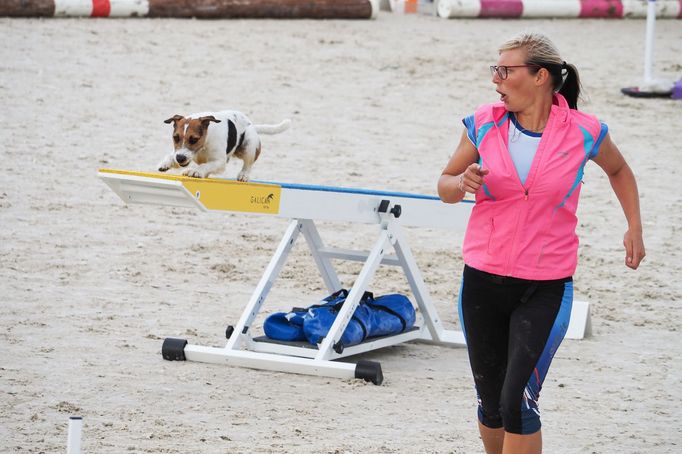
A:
(523, 158)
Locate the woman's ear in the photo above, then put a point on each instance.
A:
(542, 76)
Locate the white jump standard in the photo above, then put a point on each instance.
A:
(303, 205)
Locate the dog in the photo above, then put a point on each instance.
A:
(210, 139)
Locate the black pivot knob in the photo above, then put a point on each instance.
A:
(396, 211)
(338, 347)
(228, 331)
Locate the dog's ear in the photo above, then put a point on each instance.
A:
(174, 118)
(206, 120)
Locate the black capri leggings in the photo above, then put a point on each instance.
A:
(512, 328)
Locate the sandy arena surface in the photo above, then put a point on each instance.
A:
(90, 287)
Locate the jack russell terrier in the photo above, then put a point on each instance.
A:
(210, 139)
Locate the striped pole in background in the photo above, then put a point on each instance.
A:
(611, 9)
(100, 8)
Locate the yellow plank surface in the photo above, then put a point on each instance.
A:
(220, 194)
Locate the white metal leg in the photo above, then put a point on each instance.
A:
(178, 349)
(265, 284)
(269, 361)
(435, 332)
(354, 296)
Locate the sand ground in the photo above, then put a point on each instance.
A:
(89, 286)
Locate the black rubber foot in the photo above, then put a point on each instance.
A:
(369, 371)
(228, 331)
(173, 349)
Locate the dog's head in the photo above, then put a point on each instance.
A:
(189, 136)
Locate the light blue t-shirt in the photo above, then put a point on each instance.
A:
(523, 144)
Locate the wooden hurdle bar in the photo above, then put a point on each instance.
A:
(304, 205)
(202, 9)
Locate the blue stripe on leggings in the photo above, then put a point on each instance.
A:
(459, 308)
(530, 414)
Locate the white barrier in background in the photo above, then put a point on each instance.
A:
(671, 9)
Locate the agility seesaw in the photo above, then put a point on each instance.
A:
(304, 205)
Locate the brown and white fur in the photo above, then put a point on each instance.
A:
(210, 139)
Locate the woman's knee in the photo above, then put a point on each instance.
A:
(520, 415)
(490, 417)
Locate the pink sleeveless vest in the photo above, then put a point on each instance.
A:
(528, 231)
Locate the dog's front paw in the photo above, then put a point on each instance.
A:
(195, 173)
(243, 176)
(165, 164)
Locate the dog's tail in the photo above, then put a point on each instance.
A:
(273, 129)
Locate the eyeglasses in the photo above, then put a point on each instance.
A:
(503, 71)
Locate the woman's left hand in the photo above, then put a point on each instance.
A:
(634, 248)
(624, 185)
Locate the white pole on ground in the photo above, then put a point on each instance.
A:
(649, 42)
(73, 444)
(650, 87)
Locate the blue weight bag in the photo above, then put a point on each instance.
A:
(318, 321)
(288, 326)
(388, 314)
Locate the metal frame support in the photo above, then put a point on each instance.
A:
(243, 350)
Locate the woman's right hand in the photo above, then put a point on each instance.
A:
(472, 179)
(450, 184)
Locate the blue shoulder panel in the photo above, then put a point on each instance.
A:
(470, 124)
(602, 134)
(483, 131)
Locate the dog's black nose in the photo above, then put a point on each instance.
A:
(181, 158)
